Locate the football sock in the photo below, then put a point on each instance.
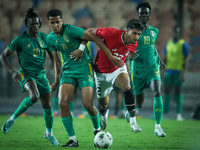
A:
(71, 106)
(132, 120)
(179, 100)
(158, 109)
(157, 125)
(73, 138)
(167, 103)
(95, 121)
(56, 104)
(25, 104)
(48, 117)
(67, 122)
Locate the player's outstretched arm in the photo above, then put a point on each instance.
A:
(90, 36)
(57, 69)
(3, 57)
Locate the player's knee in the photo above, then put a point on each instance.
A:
(139, 105)
(157, 93)
(34, 97)
(63, 104)
(126, 87)
(88, 106)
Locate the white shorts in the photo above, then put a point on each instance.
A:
(105, 81)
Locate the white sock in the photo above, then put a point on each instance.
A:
(73, 138)
(157, 125)
(49, 133)
(132, 120)
(97, 129)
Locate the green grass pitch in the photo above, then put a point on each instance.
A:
(27, 134)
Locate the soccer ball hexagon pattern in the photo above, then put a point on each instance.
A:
(103, 139)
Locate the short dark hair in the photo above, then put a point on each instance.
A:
(143, 4)
(54, 13)
(135, 24)
(31, 14)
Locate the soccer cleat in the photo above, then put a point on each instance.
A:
(103, 120)
(71, 143)
(96, 131)
(135, 127)
(179, 117)
(127, 116)
(159, 132)
(7, 125)
(52, 139)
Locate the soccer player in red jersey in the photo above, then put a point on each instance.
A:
(121, 44)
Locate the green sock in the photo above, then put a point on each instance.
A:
(48, 117)
(167, 103)
(25, 104)
(55, 102)
(71, 106)
(158, 109)
(95, 121)
(179, 100)
(67, 122)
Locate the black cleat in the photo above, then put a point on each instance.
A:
(96, 131)
(71, 143)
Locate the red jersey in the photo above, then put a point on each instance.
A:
(113, 38)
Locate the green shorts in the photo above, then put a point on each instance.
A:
(41, 81)
(172, 79)
(139, 84)
(82, 78)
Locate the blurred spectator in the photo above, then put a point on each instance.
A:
(176, 51)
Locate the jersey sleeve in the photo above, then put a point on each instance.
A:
(14, 44)
(75, 32)
(51, 47)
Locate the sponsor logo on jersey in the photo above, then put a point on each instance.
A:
(29, 45)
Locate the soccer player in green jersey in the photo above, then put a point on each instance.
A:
(67, 39)
(146, 68)
(31, 47)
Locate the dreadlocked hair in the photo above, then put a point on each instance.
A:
(31, 14)
(135, 24)
(143, 4)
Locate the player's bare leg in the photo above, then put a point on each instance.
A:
(104, 111)
(123, 82)
(65, 94)
(87, 100)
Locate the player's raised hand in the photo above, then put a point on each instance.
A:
(54, 86)
(76, 54)
(16, 76)
(117, 62)
(133, 55)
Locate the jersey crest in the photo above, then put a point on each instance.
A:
(152, 33)
(65, 38)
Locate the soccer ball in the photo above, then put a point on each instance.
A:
(127, 116)
(103, 139)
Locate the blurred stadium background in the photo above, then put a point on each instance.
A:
(103, 13)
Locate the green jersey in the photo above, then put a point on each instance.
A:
(31, 52)
(67, 42)
(148, 57)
